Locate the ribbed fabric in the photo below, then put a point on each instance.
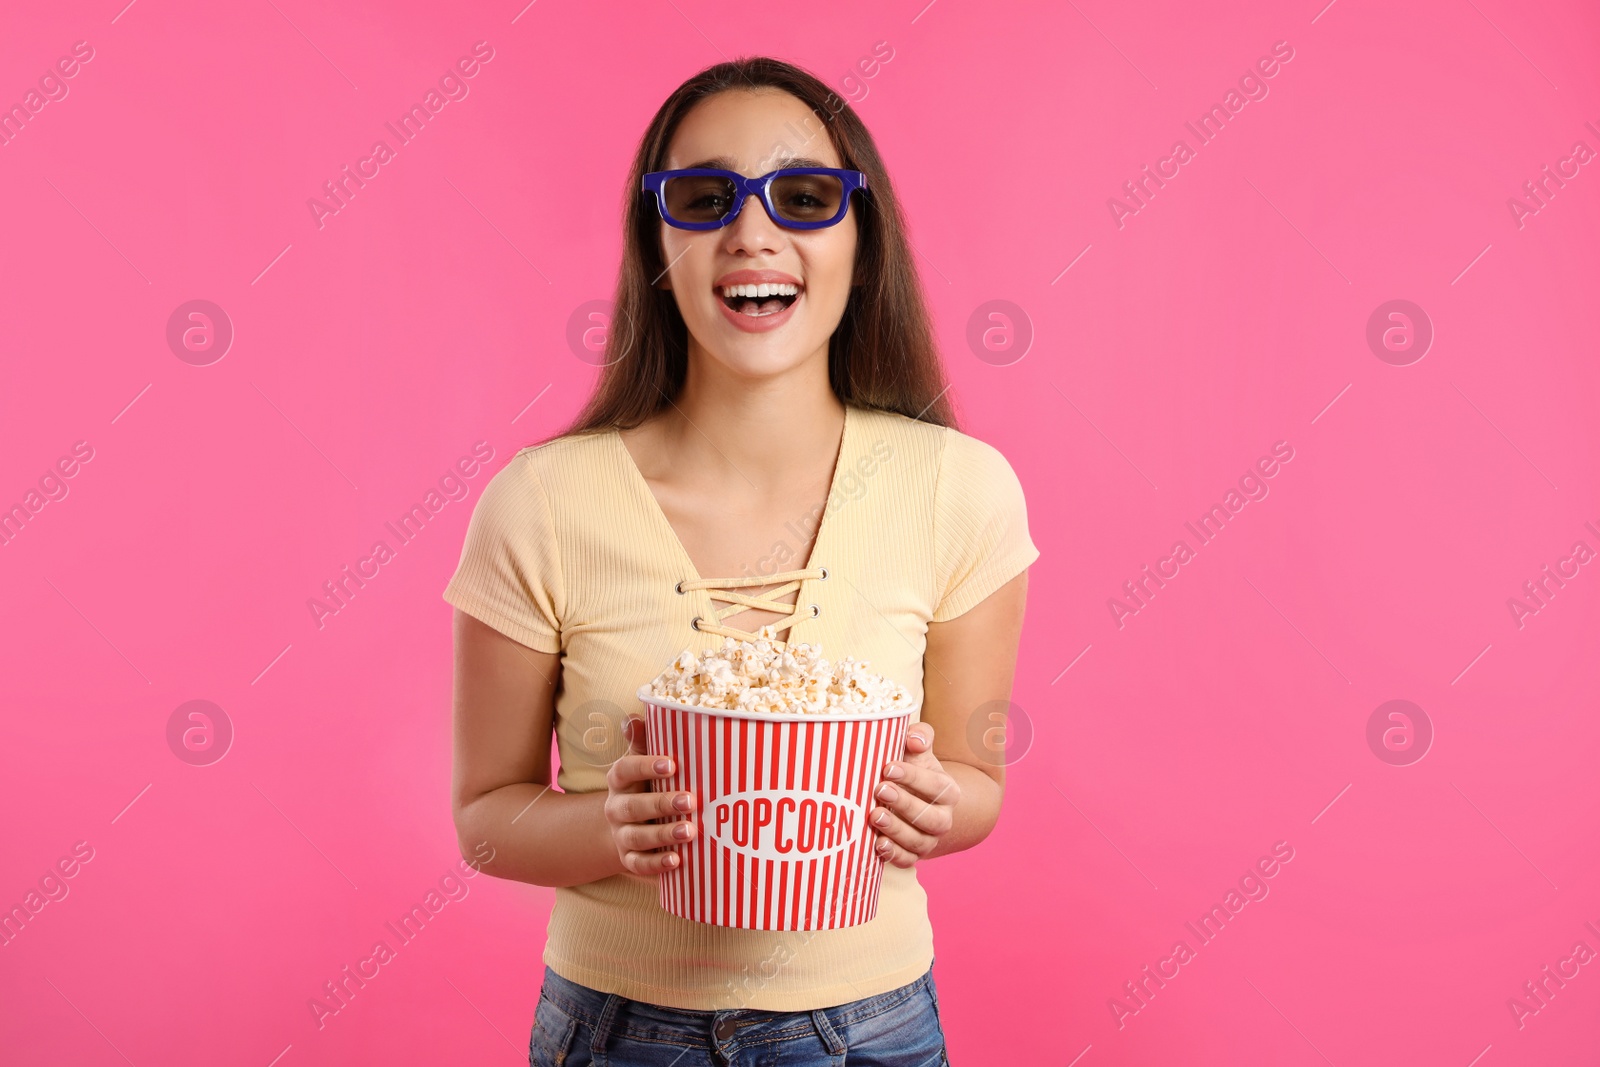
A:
(568, 551)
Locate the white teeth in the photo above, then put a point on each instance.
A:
(763, 290)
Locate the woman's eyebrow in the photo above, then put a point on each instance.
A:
(724, 163)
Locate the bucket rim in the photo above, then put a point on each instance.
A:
(645, 697)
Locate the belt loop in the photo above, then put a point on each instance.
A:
(830, 1037)
(602, 1026)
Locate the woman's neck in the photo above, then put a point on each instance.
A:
(773, 431)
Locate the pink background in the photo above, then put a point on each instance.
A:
(1229, 313)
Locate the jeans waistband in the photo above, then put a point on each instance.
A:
(608, 1013)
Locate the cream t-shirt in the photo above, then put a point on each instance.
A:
(568, 551)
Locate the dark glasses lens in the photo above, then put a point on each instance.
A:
(797, 197)
(698, 197)
(807, 197)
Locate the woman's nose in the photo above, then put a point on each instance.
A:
(753, 226)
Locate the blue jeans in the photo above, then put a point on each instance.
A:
(576, 1026)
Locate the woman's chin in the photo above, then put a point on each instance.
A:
(759, 361)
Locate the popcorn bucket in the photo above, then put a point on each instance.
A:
(783, 802)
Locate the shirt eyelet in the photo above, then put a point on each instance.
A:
(694, 624)
(679, 588)
(815, 611)
(824, 575)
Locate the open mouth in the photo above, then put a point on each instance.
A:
(758, 301)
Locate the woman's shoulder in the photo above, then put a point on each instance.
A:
(945, 446)
(568, 454)
(976, 455)
(569, 446)
(975, 475)
(882, 430)
(539, 476)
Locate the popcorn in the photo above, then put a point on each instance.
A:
(765, 675)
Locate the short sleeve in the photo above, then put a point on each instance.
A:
(980, 532)
(510, 571)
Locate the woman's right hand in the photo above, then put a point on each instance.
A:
(645, 847)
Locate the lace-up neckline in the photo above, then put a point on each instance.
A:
(723, 589)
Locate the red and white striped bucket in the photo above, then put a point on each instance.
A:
(783, 804)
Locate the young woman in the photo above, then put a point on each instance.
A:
(769, 443)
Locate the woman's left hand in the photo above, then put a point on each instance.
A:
(916, 801)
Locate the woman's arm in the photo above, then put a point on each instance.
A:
(948, 799)
(504, 703)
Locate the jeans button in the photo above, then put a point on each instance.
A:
(725, 1029)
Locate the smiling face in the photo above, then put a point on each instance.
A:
(757, 332)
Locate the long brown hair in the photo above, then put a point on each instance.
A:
(882, 355)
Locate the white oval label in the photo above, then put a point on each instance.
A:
(784, 824)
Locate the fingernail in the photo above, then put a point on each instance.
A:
(682, 831)
(892, 771)
(883, 847)
(663, 766)
(887, 792)
(880, 818)
(681, 801)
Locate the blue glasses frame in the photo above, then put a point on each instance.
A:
(743, 187)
